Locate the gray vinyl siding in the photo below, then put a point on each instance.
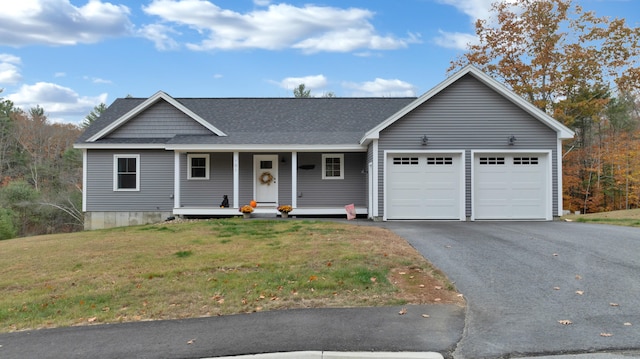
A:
(317, 192)
(161, 120)
(156, 182)
(207, 193)
(467, 115)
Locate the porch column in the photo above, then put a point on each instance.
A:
(176, 179)
(236, 179)
(376, 201)
(294, 179)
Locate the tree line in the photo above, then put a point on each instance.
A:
(40, 173)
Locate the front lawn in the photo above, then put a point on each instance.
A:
(208, 268)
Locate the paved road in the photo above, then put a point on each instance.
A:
(521, 278)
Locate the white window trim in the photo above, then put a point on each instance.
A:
(324, 165)
(206, 164)
(115, 173)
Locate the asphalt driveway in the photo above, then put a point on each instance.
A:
(521, 278)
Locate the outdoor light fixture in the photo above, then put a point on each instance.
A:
(512, 140)
(424, 140)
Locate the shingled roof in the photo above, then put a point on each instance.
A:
(266, 120)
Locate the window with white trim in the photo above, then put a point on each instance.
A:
(198, 166)
(332, 166)
(126, 172)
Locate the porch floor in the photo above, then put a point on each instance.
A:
(264, 210)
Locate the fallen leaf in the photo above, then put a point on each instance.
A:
(579, 292)
(425, 315)
(437, 300)
(92, 319)
(403, 311)
(555, 254)
(312, 278)
(565, 322)
(627, 324)
(328, 264)
(437, 287)
(373, 279)
(556, 288)
(614, 304)
(421, 285)
(578, 276)
(402, 273)
(606, 334)
(411, 276)
(191, 341)
(460, 295)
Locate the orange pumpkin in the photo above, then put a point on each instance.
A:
(253, 203)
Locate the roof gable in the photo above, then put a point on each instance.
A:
(158, 96)
(562, 131)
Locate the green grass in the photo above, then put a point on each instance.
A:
(193, 269)
(629, 218)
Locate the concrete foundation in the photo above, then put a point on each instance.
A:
(100, 220)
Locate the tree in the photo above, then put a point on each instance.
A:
(93, 115)
(301, 92)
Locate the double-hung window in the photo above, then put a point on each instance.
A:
(198, 166)
(332, 166)
(126, 172)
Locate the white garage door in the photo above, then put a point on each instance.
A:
(424, 186)
(511, 186)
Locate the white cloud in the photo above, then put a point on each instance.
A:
(160, 35)
(309, 28)
(9, 71)
(61, 104)
(381, 88)
(262, 2)
(58, 22)
(314, 82)
(476, 9)
(98, 80)
(455, 40)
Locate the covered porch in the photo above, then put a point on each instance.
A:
(271, 178)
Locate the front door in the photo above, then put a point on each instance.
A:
(265, 179)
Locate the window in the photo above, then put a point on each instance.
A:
(405, 161)
(126, 172)
(332, 166)
(525, 160)
(198, 166)
(491, 160)
(439, 160)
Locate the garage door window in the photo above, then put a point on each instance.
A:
(405, 160)
(491, 160)
(525, 160)
(439, 161)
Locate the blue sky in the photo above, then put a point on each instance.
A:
(70, 55)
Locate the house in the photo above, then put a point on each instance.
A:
(469, 149)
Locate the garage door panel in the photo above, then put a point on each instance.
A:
(510, 186)
(423, 186)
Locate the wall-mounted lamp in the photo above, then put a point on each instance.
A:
(424, 140)
(512, 140)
